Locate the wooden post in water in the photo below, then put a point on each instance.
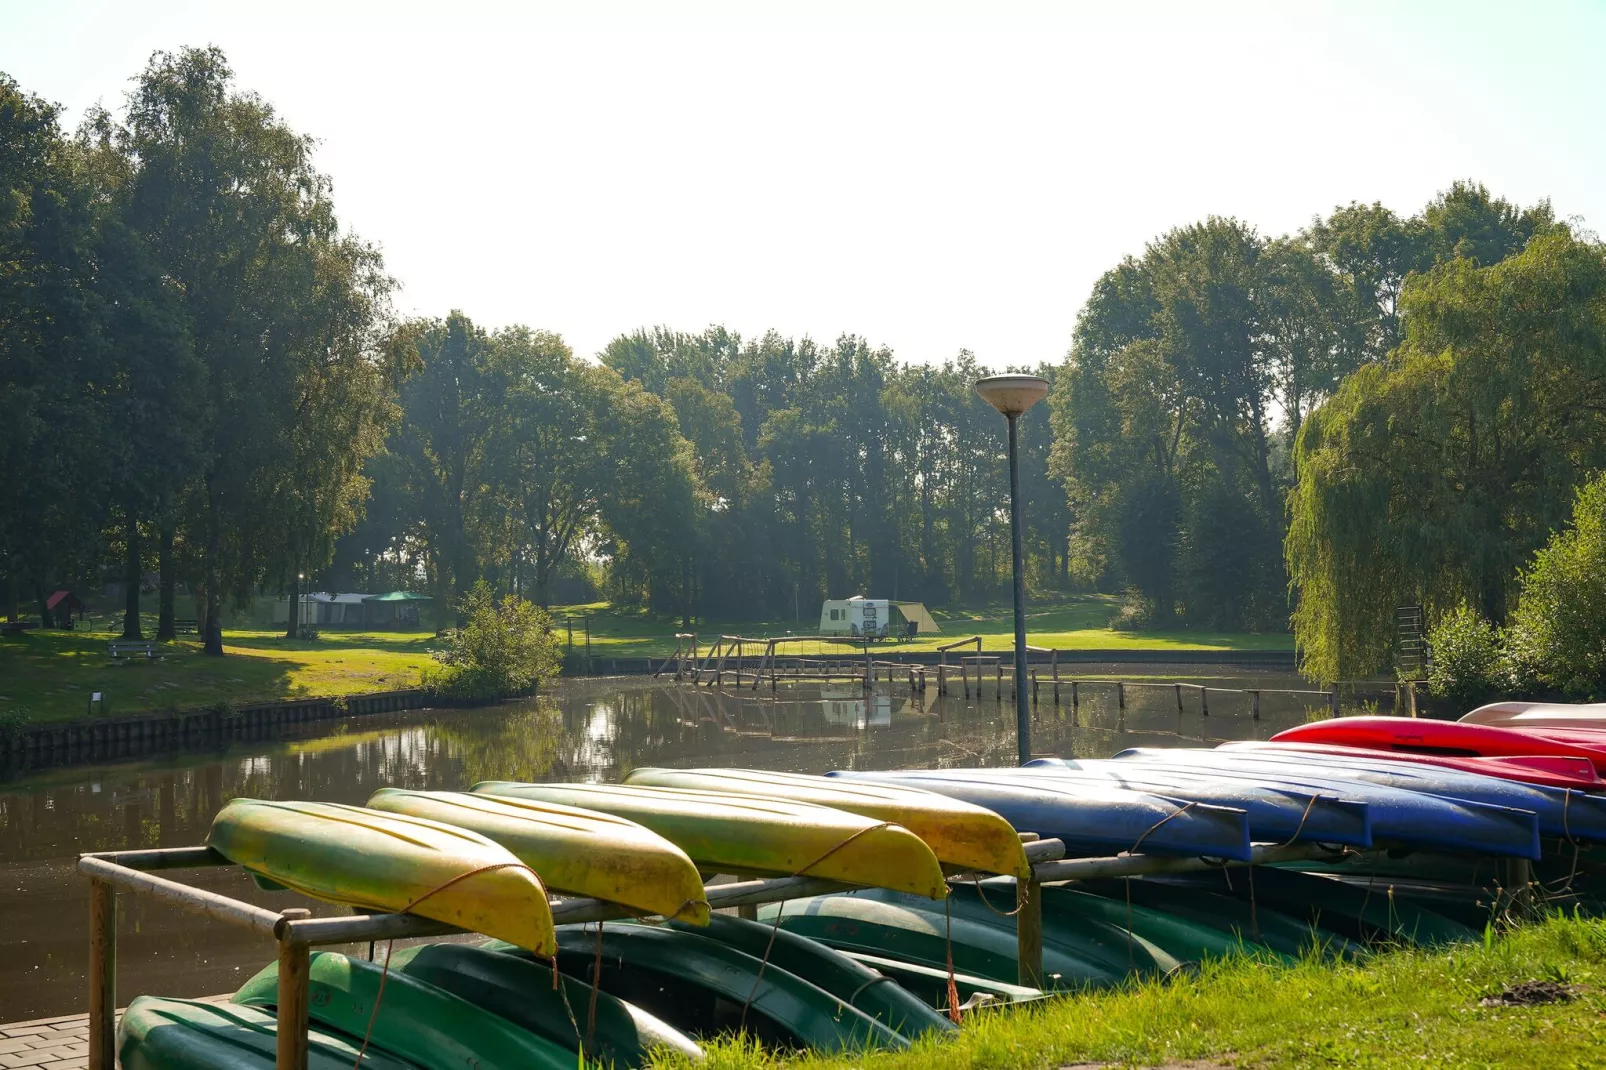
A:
(942, 679)
(1254, 704)
(1029, 932)
(1179, 698)
(295, 965)
(1076, 699)
(1120, 695)
(1204, 700)
(998, 681)
(1332, 700)
(102, 975)
(1034, 687)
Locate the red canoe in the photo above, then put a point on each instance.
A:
(1551, 771)
(1538, 715)
(1421, 736)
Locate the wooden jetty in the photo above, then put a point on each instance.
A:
(743, 661)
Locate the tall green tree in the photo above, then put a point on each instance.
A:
(1430, 477)
(282, 307)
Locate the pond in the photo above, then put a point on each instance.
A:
(582, 730)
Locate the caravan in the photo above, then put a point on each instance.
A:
(878, 618)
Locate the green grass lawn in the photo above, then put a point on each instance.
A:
(51, 674)
(1399, 1009)
(1081, 623)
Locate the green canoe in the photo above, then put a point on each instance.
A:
(521, 990)
(893, 930)
(930, 984)
(743, 834)
(437, 1030)
(1250, 927)
(1169, 941)
(1362, 914)
(183, 1034)
(850, 981)
(699, 986)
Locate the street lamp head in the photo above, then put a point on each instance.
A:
(301, 575)
(1012, 394)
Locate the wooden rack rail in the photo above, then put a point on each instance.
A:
(297, 933)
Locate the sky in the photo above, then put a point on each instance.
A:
(930, 176)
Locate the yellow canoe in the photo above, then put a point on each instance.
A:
(960, 834)
(581, 852)
(744, 835)
(388, 862)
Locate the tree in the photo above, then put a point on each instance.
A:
(282, 308)
(1430, 477)
(1557, 636)
(50, 481)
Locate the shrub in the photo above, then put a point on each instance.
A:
(1467, 658)
(1558, 630)
(504, 648)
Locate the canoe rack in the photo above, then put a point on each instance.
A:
(296, 932)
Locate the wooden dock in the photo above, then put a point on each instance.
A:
(742, 661)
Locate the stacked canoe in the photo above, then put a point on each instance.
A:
(923, 872)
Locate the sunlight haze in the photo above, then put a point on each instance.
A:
(929, 178)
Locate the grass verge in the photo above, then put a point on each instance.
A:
(1396, 1009)
(1081, 623)
(49, 675)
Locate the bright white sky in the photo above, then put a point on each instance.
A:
(931, 176)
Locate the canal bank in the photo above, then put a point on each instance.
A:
(94, 739)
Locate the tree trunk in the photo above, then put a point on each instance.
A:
(685, 592)
(9, 591)
(131, 575)
(213, 645)
(292, 619)
(45, 619)
(164, 597)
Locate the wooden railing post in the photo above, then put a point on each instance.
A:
(295, 966)
(102, 975)
(1029, 932)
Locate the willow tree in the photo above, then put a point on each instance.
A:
(1430, 477)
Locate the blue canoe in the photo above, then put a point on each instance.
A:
(1562, 812)
(1276, 814)
(1415, 819)
(1092, 819)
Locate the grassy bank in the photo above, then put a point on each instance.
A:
(1399, 1009)
(1081, 623)
(51, 674)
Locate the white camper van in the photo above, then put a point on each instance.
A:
(878, 618)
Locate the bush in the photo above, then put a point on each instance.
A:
(1558, 630)
(504, 648)
(1467, 658)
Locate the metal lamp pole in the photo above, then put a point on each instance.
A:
(1013, 395)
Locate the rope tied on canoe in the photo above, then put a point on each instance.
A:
(390, 944)
(1021, 897)
(1184, 808)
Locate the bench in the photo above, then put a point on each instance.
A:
(186, 627)
(119, 648)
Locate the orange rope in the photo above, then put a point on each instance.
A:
(389, 944)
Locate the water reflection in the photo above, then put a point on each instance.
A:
(586, 730)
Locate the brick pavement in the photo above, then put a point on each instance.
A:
(51, 1043)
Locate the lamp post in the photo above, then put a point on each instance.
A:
(295, 608)
(1013, 395)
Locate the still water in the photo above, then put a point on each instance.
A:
(583, 730)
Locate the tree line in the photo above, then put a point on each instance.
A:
(203, 375)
